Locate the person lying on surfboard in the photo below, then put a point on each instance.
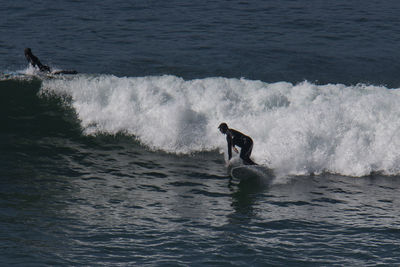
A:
(35, 62)
(236, 138)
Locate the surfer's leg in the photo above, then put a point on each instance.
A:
(250, 162)
(245, 153)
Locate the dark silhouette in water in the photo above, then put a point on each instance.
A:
(35, 62)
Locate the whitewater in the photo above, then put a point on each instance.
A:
(298, 129)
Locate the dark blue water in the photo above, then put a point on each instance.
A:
(123, 165)
(345, 41)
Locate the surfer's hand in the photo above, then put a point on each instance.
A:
(235, 149)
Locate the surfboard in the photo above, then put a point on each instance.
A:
(59, 72)
(252, 172)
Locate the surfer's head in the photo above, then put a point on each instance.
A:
(28, 51)
(223, 127)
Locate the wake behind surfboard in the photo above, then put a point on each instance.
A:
(27, 75)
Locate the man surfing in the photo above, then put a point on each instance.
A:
(236, 138)
(35, 62)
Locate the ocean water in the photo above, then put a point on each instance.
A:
(123, 164)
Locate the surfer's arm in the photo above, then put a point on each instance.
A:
(229, 140)
(235, 149)
(30, 60)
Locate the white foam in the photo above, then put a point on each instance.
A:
(297, 129)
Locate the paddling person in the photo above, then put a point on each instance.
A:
(236, 138)
(35, 62)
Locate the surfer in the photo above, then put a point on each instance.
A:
(35, 62)
(236, 138)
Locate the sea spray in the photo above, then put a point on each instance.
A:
(297, 128)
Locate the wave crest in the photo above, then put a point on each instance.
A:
(297, 129)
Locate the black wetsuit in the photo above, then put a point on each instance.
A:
(35, 61)
(236, 138)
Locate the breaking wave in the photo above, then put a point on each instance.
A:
(297, 128)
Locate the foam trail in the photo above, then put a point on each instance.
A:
(297, 129)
